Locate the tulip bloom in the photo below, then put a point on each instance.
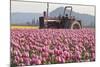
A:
(48, 46)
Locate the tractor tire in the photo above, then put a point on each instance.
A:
(75, 25)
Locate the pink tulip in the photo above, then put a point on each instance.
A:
(38, 61)
(25, 54)
(26, 60)
(45, 54)
(41, 46)
(58, 59)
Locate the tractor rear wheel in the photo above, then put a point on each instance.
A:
(75, 25)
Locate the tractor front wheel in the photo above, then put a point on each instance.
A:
(75, 25)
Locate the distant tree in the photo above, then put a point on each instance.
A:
(33, 21)
(27, 23)
(59, 16)
(37, 22)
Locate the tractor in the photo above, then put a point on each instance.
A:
(67, 21)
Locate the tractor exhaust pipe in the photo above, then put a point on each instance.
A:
(45, 13)
(47, 9)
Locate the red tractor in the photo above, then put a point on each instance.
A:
(66, 21)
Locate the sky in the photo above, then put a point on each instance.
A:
(31, 7)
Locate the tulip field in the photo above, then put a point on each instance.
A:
(51, 46)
